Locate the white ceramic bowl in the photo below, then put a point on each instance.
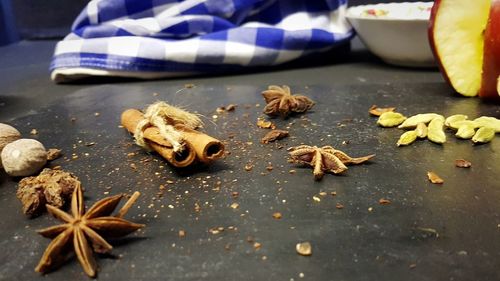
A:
(395, 32)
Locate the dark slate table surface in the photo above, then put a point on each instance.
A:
(428, 232)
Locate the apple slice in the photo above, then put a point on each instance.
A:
(456, 37)
(491, 57)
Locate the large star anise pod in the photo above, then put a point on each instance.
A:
(85, 230)
(281, 102)
(324, 159)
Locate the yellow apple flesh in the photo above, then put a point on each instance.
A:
(456, 37)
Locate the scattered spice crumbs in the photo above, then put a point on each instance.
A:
(427, 231)
(53, 153)
(274, 135)
(265, 124)
(248, 167)
(277, 215)
(434, 178)
(216, 230)
(304, 248)
(229, 108)
(462, 163)
(383, 201)
(377, 111)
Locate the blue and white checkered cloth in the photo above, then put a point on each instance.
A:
(165, 38)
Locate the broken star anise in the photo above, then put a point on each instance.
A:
(280, 101)
(324, 159)
(85, 230)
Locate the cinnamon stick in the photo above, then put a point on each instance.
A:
(198, 146)
(206, 147)
(131, 117)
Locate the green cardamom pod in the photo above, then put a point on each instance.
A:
(407, 138)
(425, 118)
(390, 119)
(435, 131)
(421, 130)
(484, 135)
(465, 131)
(455, 118)
(491, 122)
(457, 124)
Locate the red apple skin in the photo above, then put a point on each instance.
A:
(491, 56)
(430, 33)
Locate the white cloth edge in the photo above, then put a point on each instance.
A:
(61, 75)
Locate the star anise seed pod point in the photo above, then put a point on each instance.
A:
(85, 230)
(280, 101)
(324, 159)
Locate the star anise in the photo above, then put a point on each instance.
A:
(85, 230)
(280, 101)
(324, 159)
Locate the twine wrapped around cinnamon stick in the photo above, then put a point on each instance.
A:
(195, 145)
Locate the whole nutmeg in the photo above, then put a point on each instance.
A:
(23, 157)
(8, 134)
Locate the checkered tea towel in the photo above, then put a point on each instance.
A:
(166, 38)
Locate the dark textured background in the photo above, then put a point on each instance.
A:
(389, 243)
(53, 18)
(428, 232)
(45, 19)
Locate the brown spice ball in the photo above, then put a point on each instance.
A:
(23, 157)
(8, 134)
